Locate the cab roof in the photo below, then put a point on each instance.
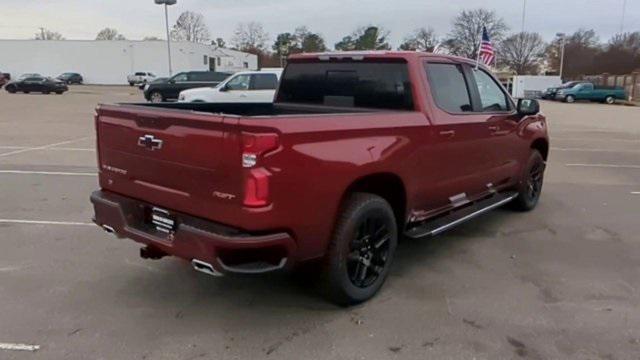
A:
(376, 54)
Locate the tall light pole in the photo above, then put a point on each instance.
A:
(524, 13)
(562, 37)
(624, 10)
(166, 4)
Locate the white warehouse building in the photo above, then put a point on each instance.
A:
(109, 62)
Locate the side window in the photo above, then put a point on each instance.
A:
(491, 96)
(240, 82)
(196, 76)
(449, 87)
(182, 77)
(264, 82)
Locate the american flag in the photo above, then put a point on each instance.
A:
(487, 53)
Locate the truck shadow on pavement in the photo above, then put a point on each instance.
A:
(173, 283)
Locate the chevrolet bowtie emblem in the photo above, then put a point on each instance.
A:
(150, 142)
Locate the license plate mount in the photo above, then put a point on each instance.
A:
(163, 221)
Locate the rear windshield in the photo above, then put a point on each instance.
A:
(383, 85)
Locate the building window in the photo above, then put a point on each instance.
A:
(219, 61)
(246, 65)
(206, 59)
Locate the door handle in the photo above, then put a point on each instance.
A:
(448, 133)
(494, 128)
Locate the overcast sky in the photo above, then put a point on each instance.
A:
(82, 19)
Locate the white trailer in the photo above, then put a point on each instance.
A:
(532, 86)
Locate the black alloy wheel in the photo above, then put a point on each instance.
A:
(369, 252)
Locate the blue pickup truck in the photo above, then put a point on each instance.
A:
(588, 91)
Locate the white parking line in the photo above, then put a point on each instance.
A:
(19, 347)
(605, 166)
(55, 148)
(594, 139)
(58, 173)
(71, 149)
(593, 150)
(635, 193)
(20, 151)
(44, 222)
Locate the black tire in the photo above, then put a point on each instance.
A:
(610, 100)
(131, 84)
(46, 92)
(570, 99)
(361, 250)
(530, 187)
(26, 92)
(11, 90)
(59, 92)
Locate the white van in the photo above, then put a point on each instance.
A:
(242, 87)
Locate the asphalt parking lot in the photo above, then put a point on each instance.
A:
(562, 282)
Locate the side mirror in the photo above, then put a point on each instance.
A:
(172, 81)
(528, 107)
(224, 88)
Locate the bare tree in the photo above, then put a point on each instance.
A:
(627, 41)
(581, 49)
(190, 26)
(250, 37)
(620, 56)
(464, 39)
(422, 39)
(109, 34)
(45, 34)
(522, 52)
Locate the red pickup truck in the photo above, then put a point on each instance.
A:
(357, 150)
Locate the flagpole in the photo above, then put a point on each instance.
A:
(478, 55)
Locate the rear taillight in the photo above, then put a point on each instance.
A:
(254, 146)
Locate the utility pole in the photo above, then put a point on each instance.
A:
(562, 37)
(624, 10)
(166, 4)
(524, 13)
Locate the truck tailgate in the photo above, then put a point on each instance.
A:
(179, 160)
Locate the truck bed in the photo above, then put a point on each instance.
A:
(257, 109)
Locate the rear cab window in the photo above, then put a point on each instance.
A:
(449, 87)
(378, 84)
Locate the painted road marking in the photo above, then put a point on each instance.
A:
(593, 150)
(605, 166)
(44, 222)
(55, 148)
(594, 139)
(19, 347)
(635, 193)
(58, 173)
(43, 147)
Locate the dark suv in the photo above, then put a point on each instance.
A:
(71, 78)
(171, 88)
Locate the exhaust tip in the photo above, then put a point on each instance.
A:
(204, 267)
